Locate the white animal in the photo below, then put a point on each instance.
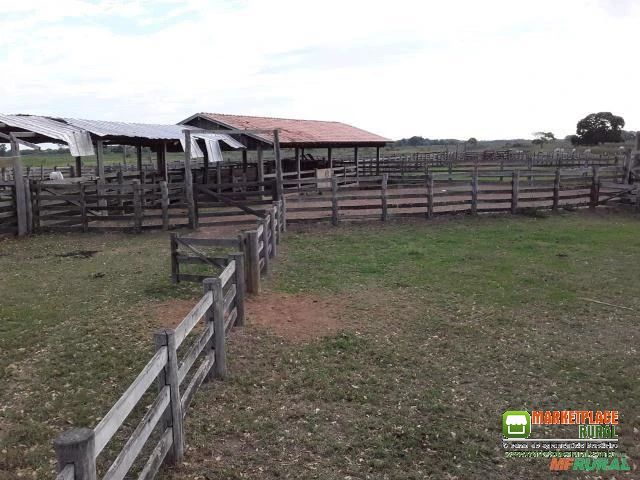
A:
(587, 151)
(55, 175)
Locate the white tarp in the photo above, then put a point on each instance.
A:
(79, 140)
(103, 128)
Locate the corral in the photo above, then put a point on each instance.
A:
(448, 294)
(433, 310)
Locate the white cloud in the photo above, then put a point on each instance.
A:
(460, 68)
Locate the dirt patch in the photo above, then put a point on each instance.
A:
(296, 317)
(170, 313)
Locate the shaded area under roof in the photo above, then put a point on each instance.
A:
(293, 133)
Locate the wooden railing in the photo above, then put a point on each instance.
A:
(257, 246)
(443, 192)
(220, 308)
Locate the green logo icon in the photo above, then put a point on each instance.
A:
(516, 424)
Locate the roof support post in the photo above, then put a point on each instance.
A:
(244, 160)
(78, 166)
(161, 161)
(19, 191)
(139, 162)
(260, 165)
(205, 170)
(377, 161)
(100, 161)
(297, 153)
(330, 158)
(188, 180)
(356, 159)
(276, 151)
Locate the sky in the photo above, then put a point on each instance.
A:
(491, 69)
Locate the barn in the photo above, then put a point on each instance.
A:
(296, 138)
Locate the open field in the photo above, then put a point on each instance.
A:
(377, 351)
(446, 326)
(74, 332)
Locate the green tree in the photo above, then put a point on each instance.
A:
(543, 137)
(472, 141)
(3, 149)
(600, 127)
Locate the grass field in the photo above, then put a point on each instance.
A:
(446, 325)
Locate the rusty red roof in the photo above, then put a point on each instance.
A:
(298, 132)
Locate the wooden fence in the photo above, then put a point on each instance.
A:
(93, 206)
(177, 378)
(8, 213)
(258, 246)
(439, 193)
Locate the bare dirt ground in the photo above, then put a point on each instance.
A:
(295, 318)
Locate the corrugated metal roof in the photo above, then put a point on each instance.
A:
(152, 131)
(298, 131)
(78, 139)
(77, 133)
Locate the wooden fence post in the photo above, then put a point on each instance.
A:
(474, 191)
(274, 232)
(334, 201)
(240, 286)
(83, 208)
(167, 338)
(556, 191)
(164, 191)
(595, 188)
(77, 447)
(283, 214)
(137, 206)
(28, 204)
(430, 195)
(175, 265)
(209, 285)
(383, 196)
(219, 336)
(515, 190)
(253, 280)
(266, 233)
(21, 208)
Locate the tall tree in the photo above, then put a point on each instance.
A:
(598, 128)
(542, 138)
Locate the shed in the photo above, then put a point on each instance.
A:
(294, 134)
(87, 137)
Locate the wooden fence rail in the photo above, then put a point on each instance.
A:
(474, 192)
(177, 379)
(258, 246)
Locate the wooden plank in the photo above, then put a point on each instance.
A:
(196, 381)
(158, 455)
(210, 242)
(228, 201)
(227, 273)
(230, 319)
(112, 421)
(194, 351)
(139, 437)
(192, 318)
(240, 285)
(229, 297)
